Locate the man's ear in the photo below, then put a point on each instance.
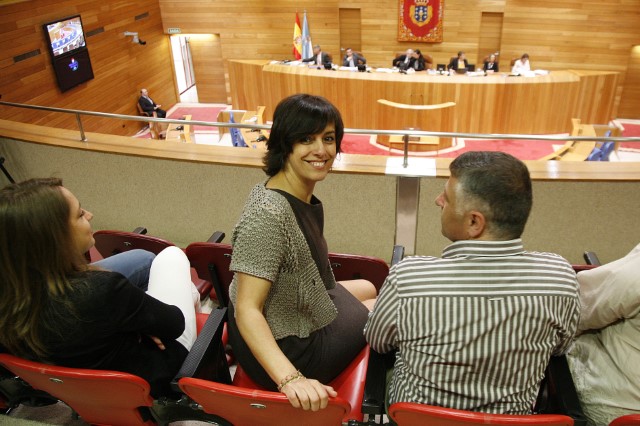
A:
(476, 224)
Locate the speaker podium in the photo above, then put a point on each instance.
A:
(432, 118)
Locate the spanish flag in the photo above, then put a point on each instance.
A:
(297, 39)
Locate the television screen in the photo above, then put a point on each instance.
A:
(73, 69)
(65, 35)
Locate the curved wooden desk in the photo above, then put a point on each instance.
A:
(491, 104)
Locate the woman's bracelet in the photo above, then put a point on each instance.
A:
(290, 378)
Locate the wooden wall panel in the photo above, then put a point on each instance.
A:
(630, 102)
(559, 35)
(490, 36)
(208, 69)
(563, 34)
(572, 34)
(350, 30)
(120, 67)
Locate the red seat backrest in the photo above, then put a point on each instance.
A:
(203, 255)
(109, 242)
(98, 396)
(628, 420)
(350, 266)
(412, 414)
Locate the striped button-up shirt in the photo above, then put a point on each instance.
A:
(474, 330)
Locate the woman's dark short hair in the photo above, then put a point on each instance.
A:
(295, 118)
(526, 55)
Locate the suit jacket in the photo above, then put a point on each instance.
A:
(357, 59)
(397, 62)
(147, 106)
(323, 56)
(495, 66)
(454, 63)
(419, 63)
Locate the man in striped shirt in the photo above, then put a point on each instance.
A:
(474, 330)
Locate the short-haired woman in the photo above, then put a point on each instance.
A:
(292, 327)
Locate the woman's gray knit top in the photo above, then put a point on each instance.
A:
(268, 243)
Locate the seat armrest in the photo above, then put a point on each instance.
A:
(216, 237)
(558, 394)
(591, 258)
(207, 359)
(398, 254)
(373, 399)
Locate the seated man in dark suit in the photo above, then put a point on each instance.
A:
(352, 59)
(418, 61)
(148, 106)
(459, 62)
(405, 61)
(319, 57)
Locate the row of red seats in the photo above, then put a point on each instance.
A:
(210, 260)
(106, 397)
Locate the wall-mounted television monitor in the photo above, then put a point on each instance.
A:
(65, 35)
(73, 69)
(69, 54)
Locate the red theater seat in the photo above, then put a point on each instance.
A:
(211, 261)
(98, 396)
(108, 243)
(411, 414)
(245, 403)
(628, 420)
(350, 267)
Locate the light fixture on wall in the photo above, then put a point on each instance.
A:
(136, 39)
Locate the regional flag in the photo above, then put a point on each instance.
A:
(307, 48)
(297, 39)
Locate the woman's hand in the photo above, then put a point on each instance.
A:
(308, 394)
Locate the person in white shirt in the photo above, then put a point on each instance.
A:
(522, 65)
(605, 356)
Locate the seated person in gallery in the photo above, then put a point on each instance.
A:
(57, 308)
(490, 65)
(293, 328)
(405, 61)
(319, 57)
(469, 334)
(148, 106)
(522, 65)
(605, 355)
(352, 59)
(458, 62)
